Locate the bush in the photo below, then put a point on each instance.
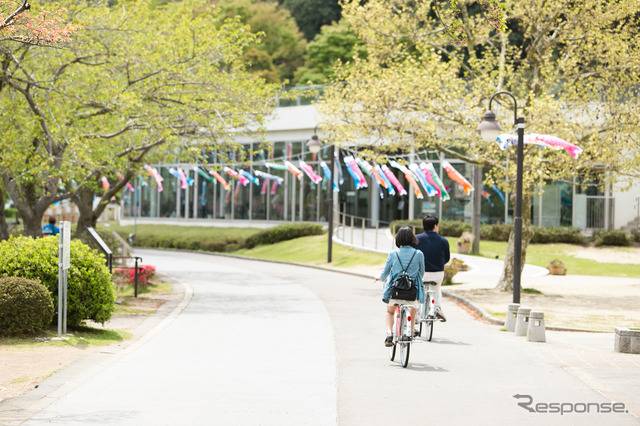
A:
(126, 276)
(453, 228)
(26, 306)
(283, 233)
(90, 291)
(446, 228)
(613, 238)
(558, 234)
(204, 239)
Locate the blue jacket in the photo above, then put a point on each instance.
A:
(49, 229)
(392, 270)
(435, 249)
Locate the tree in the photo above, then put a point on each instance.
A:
(133, 80)
(574, 71)
(312, 15)
(336, 42)
(279, 35)
(37, 27)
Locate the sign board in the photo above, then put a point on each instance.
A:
(66, 245)
(103, 246)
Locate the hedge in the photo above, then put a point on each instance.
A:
(283, 233)
(495, 232)
(90, 291)
(26, 306)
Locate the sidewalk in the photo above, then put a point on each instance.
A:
(568, 301)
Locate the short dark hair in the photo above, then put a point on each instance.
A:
(406, 237)
(52, 220)
(429, 222)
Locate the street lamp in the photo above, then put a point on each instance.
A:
(489, 130)
(314, 146)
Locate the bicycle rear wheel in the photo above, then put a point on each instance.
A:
(405, 326)
(429, 330)
(404, 354)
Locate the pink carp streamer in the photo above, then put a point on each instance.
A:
(506, 140)
(392, 178)
(315, 178)
(387, 183)
(409, 176)
(127, 185)
(455, 176)
(243, 180)
(105, 183)
(354, 171)
(153, 172)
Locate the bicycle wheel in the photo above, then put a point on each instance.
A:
(404, 354)
(429, 330)
(405, 326)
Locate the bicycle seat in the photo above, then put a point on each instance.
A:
(430, 283)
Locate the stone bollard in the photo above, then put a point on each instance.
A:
(627, 340)
(512, 313)
(522, 321)
(535, 331)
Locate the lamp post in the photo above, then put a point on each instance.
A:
(489, 130)
(314, 146)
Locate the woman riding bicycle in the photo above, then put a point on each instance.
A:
(410, 260)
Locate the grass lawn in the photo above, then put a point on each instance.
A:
(542, 254)
(313, 250)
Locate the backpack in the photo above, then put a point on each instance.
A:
(404, 288)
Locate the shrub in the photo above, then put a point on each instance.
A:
(558, 234)
(283, 233)
(90, 291)
(126, 276)
(613, 238)
(26, 306)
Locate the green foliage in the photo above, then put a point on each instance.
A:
(280, 37)
(188, 237)
(90, 292)
(543, 235)
(557, 234)
(283, 233)
(336, 42)
(312, 15)
(26, 306)
(613, 238)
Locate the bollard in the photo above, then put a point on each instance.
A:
(535, 331)
(522, 321)
(512, 313)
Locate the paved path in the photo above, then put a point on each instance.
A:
(268, 343)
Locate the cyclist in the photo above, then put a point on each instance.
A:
(436, 254)
(405, 257)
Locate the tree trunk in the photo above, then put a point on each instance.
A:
(4, 228)
(505, 282)
(30, 206)
(83, 199)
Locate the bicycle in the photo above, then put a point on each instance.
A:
(402, 335)
(427, 311)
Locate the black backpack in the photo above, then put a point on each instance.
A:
(404, 288)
